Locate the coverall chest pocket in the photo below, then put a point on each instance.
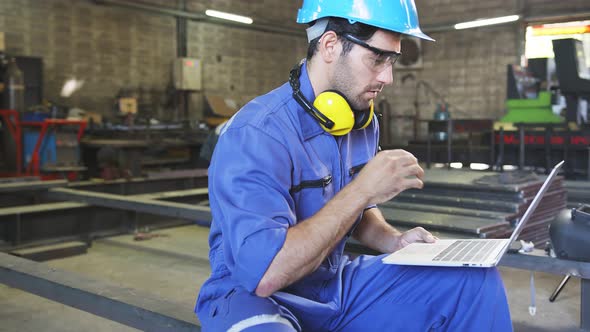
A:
(355, 169)
(311, 192)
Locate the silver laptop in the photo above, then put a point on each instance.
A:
(475, 252)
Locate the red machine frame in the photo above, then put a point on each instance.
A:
(34, 167)
(12, 122)
(11, 118)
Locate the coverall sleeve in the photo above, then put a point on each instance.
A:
(249, 181)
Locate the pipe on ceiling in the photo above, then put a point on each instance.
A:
(541, 18)
(200, 17)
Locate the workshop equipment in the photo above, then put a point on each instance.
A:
(534, 110)
(570, 239)
(14, 91)
(574, 78)
(441, 114)
(570, 234)
(22, 79)
(531, 134)
(139, 148)
(187, 74)
(10, 144)
(218, 109)
(51, 151)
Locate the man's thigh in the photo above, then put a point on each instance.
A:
(405, 298)
(240, 310)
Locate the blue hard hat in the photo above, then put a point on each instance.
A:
(393, 15)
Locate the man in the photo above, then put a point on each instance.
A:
(287, 190)
(208, 146)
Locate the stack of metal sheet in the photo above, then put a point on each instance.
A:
(477, 204)
(578, 192)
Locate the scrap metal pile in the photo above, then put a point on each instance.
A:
(464, 204)
(578, 193)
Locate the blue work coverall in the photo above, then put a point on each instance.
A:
(274, 166)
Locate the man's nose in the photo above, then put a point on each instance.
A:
(386, 75)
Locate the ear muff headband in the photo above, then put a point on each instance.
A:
(330, 108)
(364, 118)
(301, 100)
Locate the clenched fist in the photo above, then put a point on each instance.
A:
(389, 173)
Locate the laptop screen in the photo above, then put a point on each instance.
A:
(529, 211)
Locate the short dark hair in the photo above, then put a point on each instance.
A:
(342, 26)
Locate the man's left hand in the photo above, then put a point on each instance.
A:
(417, 234)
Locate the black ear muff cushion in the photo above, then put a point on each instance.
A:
(362, 118)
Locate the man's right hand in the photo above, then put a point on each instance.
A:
(389, 173)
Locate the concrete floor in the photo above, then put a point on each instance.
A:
(174, 266)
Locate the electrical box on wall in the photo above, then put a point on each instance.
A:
(2, 42)
(187, 74)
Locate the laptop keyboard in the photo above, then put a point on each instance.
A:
(467, 251)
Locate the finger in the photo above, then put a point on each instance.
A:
(408, 183)
(419, 172)
(429, 238)
(425, 235)
(408, 160)
(398, 154)
(401, 152)
(411, 171)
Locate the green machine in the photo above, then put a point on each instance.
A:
(536, 110)
(528, 97)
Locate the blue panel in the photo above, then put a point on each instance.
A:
(47, 151)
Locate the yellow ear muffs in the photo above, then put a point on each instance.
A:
(335, 107)
(330, 109)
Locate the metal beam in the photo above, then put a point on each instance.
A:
(538, 261)
(31, 185)
(558, 17)
(174, 194)
(127, 306)
(39, 208)
(200, 214)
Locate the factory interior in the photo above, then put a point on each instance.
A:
(110, 111)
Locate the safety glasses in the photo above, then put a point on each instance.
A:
(379, 59)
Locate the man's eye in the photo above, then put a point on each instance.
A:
(381, 60)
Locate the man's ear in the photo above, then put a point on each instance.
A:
(329, 46)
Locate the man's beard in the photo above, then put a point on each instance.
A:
(343, 81)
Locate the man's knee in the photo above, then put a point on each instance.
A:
(264, 323)
(240, 310)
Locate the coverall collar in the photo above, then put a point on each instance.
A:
(309, 126)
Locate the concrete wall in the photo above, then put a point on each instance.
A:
(113, 48)
(109, 48)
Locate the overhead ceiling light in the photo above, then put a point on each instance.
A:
(487, 21)
(228, 16)
(70, 86)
